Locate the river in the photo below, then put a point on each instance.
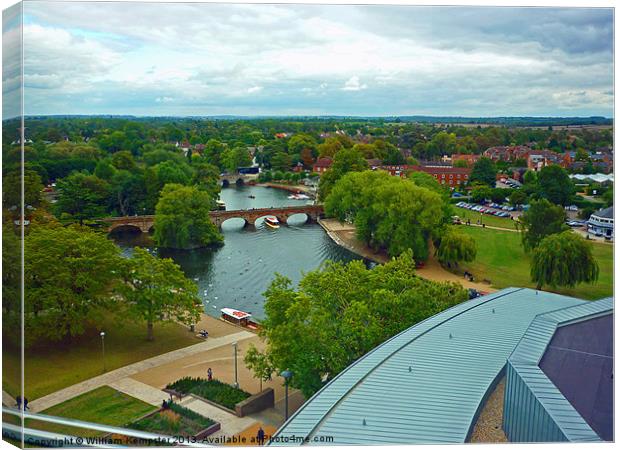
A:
(236, 274)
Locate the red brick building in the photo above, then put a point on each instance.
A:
(507, 153)
(469, 159)
(322, 165)
(451, 176)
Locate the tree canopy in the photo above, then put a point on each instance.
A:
(564, 259)
(555, 185)
(389, 212)
(483, 171)
(182, 218)
(342, 311)
(541, 220)
(70, 272)
(155, 290)
(455, 247)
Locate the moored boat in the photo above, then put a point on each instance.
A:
(272, 222)
(241, 318)
(221, 205)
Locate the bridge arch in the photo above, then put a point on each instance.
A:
(125, 227)
(300, 218)
(234, 221)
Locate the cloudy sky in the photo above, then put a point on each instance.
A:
(211, 59)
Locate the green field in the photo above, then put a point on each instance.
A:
(55, 365)
(103, 405)
(491, 221)
(501, 260)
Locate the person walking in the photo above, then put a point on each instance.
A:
(209, 374)
(260, 436)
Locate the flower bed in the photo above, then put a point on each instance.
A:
(173, 421)
(214, 390)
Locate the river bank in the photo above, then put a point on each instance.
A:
(295, 189)
(343, 234)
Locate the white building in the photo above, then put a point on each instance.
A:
(601, 223)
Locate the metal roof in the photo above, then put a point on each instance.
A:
(526, 358)
(426, 384)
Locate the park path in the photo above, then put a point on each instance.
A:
(230, 423)
(69, 392)
(139, 390)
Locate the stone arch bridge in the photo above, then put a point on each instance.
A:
(145, 223)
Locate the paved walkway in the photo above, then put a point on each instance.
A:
(139, 390)
(8, 400)
(230, 423)
(67, 393)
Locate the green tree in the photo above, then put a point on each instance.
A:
(517, 197)
(342, 311)
(541, 220)
(564, 259)
(156, 290)
(206, 177)
(182, 218)
(81, 197)
(484, 172)
(456, 247)
(281, 161)
(123, 160)
(12, 188)
(213, 152)
(389, 212)
(346, 160)
(70, 272)
(260, 364)
(104, 170)
(555, 185)
(127, 193)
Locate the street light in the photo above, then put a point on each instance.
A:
(102, 334)
(236, 373)
(287, 375)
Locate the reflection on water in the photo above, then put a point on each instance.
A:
(236, 274)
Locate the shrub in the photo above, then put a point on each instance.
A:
(214, 390)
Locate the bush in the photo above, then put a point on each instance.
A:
(175, 421)
(214, 390)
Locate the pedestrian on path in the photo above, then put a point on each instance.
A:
(209, 374)
(260, 436)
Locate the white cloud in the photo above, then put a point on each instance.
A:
(164, 99)
(353, 84)
(215, 58)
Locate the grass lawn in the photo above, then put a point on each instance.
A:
(103, 405)
(492, 221)
(501, 260)
(55, 365)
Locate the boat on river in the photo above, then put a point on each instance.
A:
(298, 196)
(240, 318)
(272, 222)
(221, 206)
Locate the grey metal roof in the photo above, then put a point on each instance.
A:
(455, 357)
(527, 355)
(606, 213)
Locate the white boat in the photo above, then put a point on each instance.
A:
(298, 197)
(272, 222)
(221, 205)
(237, 317)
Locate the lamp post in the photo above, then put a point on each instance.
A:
(287, 375)
(236, 372)
(102, 334)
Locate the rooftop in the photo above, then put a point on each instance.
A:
(428, 383)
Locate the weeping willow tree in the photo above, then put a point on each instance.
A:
(563, 259)
(455, 247)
